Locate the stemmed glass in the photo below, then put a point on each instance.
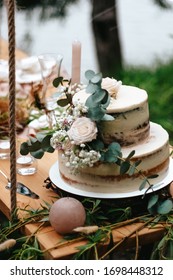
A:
(50, 65)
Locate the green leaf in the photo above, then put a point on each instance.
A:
(153, 200)
(95, 113)
(130, 155)
(24, 150)
(124, 167)
(153, 176)
(89, 74)
(96, 78)
(110, 157)
(57, 81)
(113, 152)
(170, 249)
(107, 117)
(94, 99)
(152, 204)
(115, 148)
(143, 184)
(37, 154)
(45, 144)
(137, 162)
(91, 88)
(63, 102)
(132, 170)
(165, 207)
(106, 100)
(97, 145)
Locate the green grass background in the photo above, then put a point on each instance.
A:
(158, 82)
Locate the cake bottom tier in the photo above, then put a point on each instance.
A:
(154, 155)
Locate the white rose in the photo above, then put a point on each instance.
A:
(111, 85)
(82, 130)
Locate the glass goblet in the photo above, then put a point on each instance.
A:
(50, 65)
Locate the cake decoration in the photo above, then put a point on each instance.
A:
(103, 134)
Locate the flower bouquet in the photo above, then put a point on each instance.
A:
(76, 130)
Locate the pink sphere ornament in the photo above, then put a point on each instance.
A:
(66, 214)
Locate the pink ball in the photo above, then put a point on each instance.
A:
(171, 189)
(66, 214)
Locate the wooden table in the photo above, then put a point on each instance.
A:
(47, 237)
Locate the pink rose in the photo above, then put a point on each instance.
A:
(82, 130)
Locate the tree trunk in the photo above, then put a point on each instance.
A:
(106, 33)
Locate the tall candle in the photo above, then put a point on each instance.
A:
(76, 62)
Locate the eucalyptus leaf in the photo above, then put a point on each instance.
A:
(143, 184)
(132, 170)
(164, 207)
(97, 78)
(37, 154)
(95, 98)
(24, 150)
(130, 155)
(35, 146)
(57, 81)
(170, 248)
(63, 102)
(115, 147)
(106, 100)
(41, 135)
(89, 74)
(138, 162)
(107, 117)
(124, 167)
(97, 145)
(153, 176)
(153, 200)
(95, 113)
(110, 157)
(91, 88)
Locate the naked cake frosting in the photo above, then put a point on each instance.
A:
(106, 136)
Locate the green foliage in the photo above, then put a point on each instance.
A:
(159, 206)
(37, 146)
(99, 99)
(163, 249)
(158, 84)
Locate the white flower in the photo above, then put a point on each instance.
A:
(111, 85)
(58, 139)
(82, 130)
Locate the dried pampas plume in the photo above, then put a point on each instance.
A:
(86, 230)
(7, 244)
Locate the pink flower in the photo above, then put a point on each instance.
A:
(82, 130)
(111, 85)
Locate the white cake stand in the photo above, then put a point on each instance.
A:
(119, 191)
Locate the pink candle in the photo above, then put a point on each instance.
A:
(76, 62)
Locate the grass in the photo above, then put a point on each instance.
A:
(158, 83)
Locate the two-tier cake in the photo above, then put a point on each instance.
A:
(106, 140)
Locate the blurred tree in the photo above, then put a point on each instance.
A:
(104, 23)
(106, 33)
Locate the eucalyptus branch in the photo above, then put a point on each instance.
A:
(126, 237)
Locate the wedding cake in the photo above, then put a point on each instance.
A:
(106, 140)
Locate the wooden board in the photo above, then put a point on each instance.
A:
(47, 237)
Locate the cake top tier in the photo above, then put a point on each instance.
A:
(127, 98)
